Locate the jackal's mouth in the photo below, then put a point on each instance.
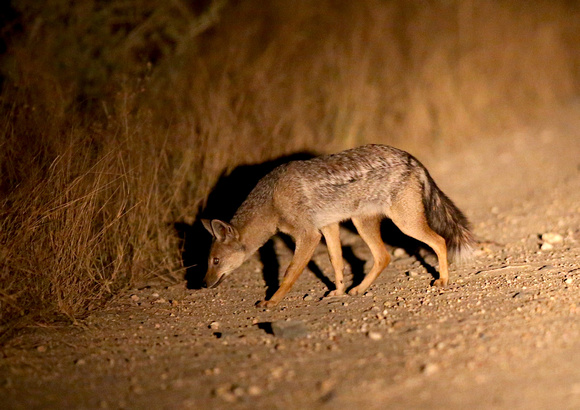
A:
(220, 280)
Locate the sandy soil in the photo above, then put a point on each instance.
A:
(504, 334)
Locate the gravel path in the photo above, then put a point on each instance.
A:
(504, 334)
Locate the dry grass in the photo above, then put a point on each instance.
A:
(117, 118)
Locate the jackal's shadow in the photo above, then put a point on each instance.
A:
(223, 201)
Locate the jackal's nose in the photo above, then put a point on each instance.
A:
(213, 282)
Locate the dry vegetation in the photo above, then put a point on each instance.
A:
(118, 117)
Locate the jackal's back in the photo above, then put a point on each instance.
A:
(336, 187)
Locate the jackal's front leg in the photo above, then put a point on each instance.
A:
(332, 236)
(305, 246)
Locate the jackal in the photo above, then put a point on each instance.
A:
(308, 199)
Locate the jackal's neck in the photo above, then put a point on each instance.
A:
(255, 222)
(255, 231)
(255, 218)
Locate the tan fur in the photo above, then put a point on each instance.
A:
(308, 199)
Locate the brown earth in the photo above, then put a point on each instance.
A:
(504, 334)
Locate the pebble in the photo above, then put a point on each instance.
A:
(225, 393)
(307, 298)
(41, 349)
(277, 372)
(374, 335)
(237, 391)
(429, 369)
(289, 329)
(399, 253)
(254, 390)
(135, 298)
(214, 325)
(547, 246)
(552, 238)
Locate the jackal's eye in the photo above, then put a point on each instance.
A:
(216, 261)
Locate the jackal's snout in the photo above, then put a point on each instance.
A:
(212, 280)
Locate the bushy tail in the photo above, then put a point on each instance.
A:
(448, 221)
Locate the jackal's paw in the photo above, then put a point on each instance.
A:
(439, 283)
(357, 290)
(266, 304)
(335, 292)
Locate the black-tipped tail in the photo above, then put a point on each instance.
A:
(448, 221)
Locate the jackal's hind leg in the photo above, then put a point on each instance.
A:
(409, 216)
(369, 229)
(332, 236)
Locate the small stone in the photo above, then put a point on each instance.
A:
(374, 335)
(325, 386)
(80, 362)
(429, 369)
(214, 325)
(546, 246)
(277, 373)
(568, 281)
(399, 253)
(254, 390)
(289, 329)
(135, 298)
(225, 393)
(238, 391)
(412, 273)
(155, 295)
(41, 349)
(551, 237)
(160, 300)
(307, 298)
(137, 389)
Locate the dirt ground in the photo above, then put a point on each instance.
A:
(504, 334)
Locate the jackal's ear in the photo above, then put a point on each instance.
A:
(221, 231)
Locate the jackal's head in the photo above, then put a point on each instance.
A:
(227, 252)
